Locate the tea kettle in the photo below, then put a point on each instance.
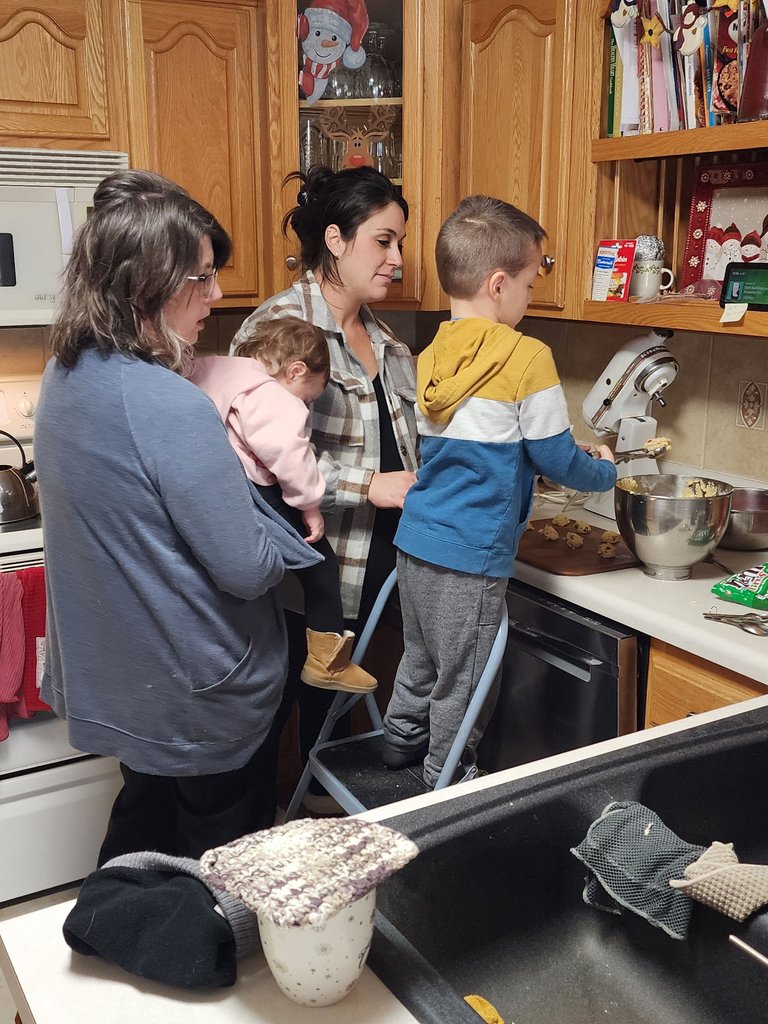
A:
(18, 494)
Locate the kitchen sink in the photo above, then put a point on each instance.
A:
(493, 903)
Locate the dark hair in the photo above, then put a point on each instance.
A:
(285, 339)
(132, 255)
(482, 235)
(345, 198)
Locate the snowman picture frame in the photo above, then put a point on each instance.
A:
(728, 221)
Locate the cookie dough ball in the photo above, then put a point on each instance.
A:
(573, 540)
(610, 537)
(581, 527)
(607, 550)
(561, 520)
(529, 527)
(549, 533)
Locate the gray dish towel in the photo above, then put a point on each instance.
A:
(632, 856)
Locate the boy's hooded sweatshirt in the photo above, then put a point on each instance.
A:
(491, 414)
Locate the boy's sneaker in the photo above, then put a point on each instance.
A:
(403, 757)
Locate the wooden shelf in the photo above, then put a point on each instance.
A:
(722, 138)
(693, 315)
(385, 101)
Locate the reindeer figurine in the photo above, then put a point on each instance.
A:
(333, 124)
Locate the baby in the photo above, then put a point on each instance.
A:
(262, 394)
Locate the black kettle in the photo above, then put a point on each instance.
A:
(18, 493)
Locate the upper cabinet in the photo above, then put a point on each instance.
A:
(516, 118)
(373, 108)
(61, 74)
(195, 90)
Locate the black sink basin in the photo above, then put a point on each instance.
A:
(493, 904)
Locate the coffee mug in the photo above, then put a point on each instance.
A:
(648, 279)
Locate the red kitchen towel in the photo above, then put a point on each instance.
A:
(33, 610)
(11, 648)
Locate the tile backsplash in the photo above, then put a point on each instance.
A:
(715, 412)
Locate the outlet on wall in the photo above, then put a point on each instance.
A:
(750, 410)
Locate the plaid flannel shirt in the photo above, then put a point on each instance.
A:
(344, 424)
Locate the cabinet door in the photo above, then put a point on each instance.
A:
(195, 92)
(61, 74)
(681, 684)
(516, 116)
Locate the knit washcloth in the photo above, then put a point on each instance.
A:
(718, 880)
(306, 870)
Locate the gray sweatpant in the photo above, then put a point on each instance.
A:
(450, 620)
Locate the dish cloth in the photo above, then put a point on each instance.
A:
(11, 650)
(632, 856)
(718, 880)
(33, 611)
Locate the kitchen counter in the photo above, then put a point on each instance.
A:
(53, 985)
(671, 611)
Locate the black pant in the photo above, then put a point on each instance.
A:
(320, 583)
(186, 816)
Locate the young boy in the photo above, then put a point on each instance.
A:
(262, 393)
(491, 414)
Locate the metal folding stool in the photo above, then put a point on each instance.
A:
(352, 770)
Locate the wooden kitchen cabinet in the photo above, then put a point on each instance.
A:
(196, 91)
(681, 684)
(62, 75)
(429, 176)
(517, 113)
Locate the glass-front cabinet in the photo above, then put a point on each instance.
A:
(356, 99)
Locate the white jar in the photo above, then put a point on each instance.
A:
(319, 965)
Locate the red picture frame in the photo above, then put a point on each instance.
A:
(728, 221)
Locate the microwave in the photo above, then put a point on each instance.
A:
(45, 196)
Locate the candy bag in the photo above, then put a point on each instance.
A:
(749, 587)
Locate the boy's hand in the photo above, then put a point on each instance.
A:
(388, 490)
(315, 526)
(604, 452)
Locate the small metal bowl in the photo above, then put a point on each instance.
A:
(747, 528)
(667, 530)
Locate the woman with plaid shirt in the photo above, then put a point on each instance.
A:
(350, 225)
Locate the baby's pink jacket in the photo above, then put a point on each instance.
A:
(266, 426)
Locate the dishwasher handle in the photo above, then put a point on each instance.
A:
(547, 649)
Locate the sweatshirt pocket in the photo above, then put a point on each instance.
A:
(231, 679)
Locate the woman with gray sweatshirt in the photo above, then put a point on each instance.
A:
(165, 646)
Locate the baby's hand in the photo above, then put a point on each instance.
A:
(313, 521)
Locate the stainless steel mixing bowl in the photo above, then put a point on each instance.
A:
(666, 530)
(747, 528)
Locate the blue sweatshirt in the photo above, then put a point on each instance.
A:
(491, 414)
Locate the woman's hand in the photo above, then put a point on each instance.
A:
(388, 490)
(604, 452)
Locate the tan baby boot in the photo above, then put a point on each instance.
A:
(328, 665)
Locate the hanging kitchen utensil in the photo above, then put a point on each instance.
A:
(18, 494)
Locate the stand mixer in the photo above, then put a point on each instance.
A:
(620, 404)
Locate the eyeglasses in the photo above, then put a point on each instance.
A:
(208, 282)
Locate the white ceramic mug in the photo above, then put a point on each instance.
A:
(648, 279)
(318, 966)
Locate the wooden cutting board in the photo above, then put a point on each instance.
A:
(556, 557)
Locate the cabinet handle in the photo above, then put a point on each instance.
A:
(547, 264)
(291, 262)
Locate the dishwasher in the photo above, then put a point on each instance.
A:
(568, 679)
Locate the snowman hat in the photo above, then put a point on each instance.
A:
(752, 238)
(352, 13)
(716, 234)
(731, 234)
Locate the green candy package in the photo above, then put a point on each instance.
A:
(749, 587)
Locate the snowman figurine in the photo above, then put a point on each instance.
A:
(331, 33)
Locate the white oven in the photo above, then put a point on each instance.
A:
(54, 800)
